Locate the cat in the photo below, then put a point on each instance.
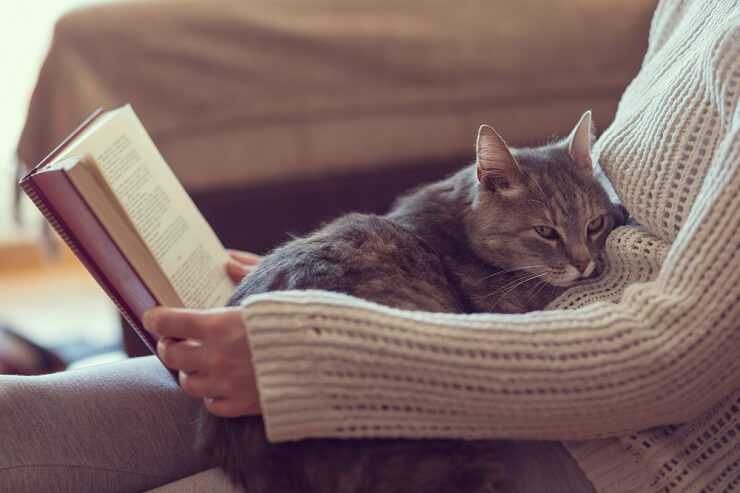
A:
(506, 234)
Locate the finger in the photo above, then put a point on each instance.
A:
(232, 408)
(247, 258)
(181, 354)
(244, 257)
(237, 271)
(179, 323)
(200, 385)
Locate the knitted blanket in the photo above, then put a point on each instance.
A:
(652, 345)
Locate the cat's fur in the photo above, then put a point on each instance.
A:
(466, 244)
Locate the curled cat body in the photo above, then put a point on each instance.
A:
(506, 234)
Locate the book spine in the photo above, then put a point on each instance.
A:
(32, 194)
(57, 222)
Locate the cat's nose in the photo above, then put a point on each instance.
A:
(582, 265)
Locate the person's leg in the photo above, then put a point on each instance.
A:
(123, 426)
(127, 426)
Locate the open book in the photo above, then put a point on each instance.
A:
(111, 196)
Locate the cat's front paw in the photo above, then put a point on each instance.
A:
(620, 214)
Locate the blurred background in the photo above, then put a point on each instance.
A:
(277, 115)
(51, 300)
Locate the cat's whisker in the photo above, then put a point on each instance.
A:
(516, 282)
(536, 290)
(533, 288)
(543, 286)
(520, 277)
(506, 271)
(516, 286)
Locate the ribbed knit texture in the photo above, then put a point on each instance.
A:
(653, 345)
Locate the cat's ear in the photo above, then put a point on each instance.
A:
(580, 141)
(498, 170)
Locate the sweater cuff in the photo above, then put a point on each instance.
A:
(285, 344)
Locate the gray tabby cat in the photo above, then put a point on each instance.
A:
(506, 234)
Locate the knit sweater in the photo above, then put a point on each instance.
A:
(638, 370)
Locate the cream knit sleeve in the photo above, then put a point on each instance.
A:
(330, 365)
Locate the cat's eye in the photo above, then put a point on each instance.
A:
(596, 224)
(546, 232)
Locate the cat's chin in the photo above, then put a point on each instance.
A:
(567, 283)
(564, 284)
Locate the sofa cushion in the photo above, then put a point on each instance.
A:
(237, 93)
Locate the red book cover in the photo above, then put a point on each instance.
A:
(68, 213)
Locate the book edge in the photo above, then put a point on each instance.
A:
(58, 149)
(50, 214)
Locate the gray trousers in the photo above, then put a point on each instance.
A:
(127, 426)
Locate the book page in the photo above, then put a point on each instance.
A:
(174, 230)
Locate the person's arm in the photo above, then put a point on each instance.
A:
(329, 365)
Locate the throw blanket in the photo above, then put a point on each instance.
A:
(652, 345)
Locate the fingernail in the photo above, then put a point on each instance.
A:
(240, 267)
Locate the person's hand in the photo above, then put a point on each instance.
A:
(240, 264)
(209, 348)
